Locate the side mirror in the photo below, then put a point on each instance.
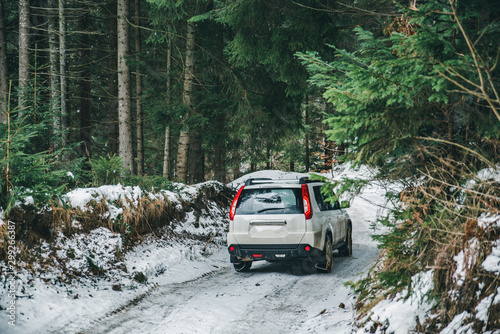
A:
(345, 204)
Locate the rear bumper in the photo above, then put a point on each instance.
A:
(271, 252)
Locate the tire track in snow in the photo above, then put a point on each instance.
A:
(270, 298)
(137, 300)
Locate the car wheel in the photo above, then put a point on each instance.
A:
(304, 266)
(242, 266)
(326, 264)
(346, 250)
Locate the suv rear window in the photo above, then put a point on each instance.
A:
(270, 201)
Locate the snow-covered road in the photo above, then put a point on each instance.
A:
(270, 298)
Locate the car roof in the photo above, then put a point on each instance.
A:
(278, 183)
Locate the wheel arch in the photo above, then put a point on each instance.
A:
(328, 232)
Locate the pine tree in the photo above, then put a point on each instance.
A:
(112, 128)
(124, 107)
(4, 71)
(24, 53)
(187, 97)
(138, 91)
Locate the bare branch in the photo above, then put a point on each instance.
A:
(477, 59)
(444, 141)
(354, 10)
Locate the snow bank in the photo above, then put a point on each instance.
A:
(492, 262)
(492, 174)
(465, 260)
(487, 220)
(463, 323)
(400, 314)
(81, 197)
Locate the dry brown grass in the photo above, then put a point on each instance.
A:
(139, 218)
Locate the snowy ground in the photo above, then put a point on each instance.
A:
(194, 291)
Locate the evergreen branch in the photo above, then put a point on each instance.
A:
(484, 31)
(224, 65)
(316, 60)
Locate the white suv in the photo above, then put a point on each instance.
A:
(277, 220)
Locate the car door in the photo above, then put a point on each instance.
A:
(333, 214)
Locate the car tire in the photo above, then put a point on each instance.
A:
(304, 266)
(346, 250)
(326, 264)
(242, 266)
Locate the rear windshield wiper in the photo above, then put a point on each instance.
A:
(268, 209)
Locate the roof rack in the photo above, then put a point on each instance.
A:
(265, 180)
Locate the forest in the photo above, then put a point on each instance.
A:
(183, 90)
(197, 90)
(159, 91)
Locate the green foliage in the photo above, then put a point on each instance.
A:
(139, 277)
(149, 183)
(95, 269)
(107, 170)
(27, 174)
(397, 90)
(345, 188)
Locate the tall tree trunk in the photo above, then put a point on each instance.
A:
(62, 71)
(24, 56)
(112, 81)
(269, 163)
(182, 154)
(329, 154)
(4, 74)
(236, 162)
(166, 151)
(124, 110)
(166, 154)
(219, 166)
(306, 142)
(54, 70)
(138, 91)
(85, 89)
(196, 156)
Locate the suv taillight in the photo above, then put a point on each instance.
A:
(235, 202)
(307, 202)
